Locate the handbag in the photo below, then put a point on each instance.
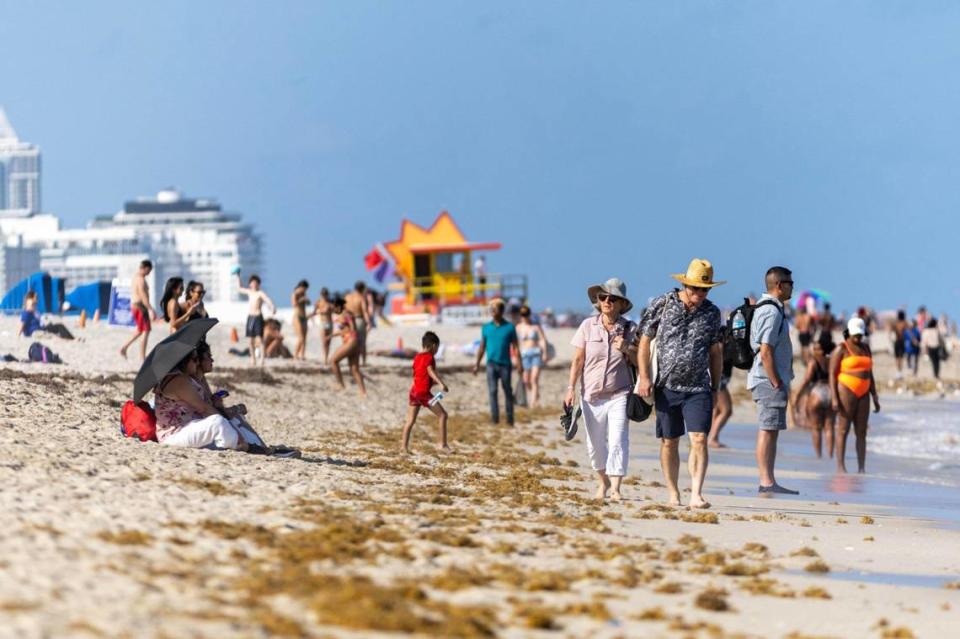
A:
(637, 407)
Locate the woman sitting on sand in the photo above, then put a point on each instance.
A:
(851, 380)
(818, 405)
(605, 347)
(350, 349)
(185, 418)
(235, 414)
(533, 351)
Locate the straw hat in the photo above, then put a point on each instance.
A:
(613, 286)
(699, 274)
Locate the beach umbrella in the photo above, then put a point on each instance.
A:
(168, 353)
(818, 296)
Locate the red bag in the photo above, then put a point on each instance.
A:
(138, 420)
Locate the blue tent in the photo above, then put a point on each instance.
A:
(49, 294)
(91, 297)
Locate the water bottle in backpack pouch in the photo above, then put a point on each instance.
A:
(736, 340)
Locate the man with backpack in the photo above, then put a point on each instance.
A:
(771, 372)
(689, 358)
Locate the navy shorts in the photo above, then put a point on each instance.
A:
(679, 413)
(254, 325)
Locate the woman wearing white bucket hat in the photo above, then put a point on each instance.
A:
(851, 380)
(605, 348)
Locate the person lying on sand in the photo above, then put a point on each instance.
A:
(30, 321)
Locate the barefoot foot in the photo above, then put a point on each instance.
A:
(697, 501)
(616, 497)
(674, 499)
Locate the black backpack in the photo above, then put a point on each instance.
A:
(736, 334)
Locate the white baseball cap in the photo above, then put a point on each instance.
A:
(856, 326)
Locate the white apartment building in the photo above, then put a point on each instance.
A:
(19, 172)
(185, 237)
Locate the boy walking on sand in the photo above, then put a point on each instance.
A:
(141, 308)
(255, 315)
(424, 375)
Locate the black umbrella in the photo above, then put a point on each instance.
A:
(168, 353)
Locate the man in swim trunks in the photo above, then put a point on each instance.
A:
(769, 377)
(140, 307)
(255, 315)
(356, 303)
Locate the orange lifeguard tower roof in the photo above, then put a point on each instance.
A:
(443, 236)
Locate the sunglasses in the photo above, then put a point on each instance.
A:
(790, 282)
(604, 297)
(699, 289)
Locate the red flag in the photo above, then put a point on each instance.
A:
(373, 259)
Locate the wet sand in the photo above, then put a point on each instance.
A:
(105, 536)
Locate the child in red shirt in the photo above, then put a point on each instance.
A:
(424, 375)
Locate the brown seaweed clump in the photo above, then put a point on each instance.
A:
(714, 599)
(818, 566)
(126, 537)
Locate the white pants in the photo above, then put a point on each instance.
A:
(215, 430)
(608, 434)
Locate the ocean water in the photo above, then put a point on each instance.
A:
(913, 461)
(924, 431)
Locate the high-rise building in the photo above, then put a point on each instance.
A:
(19, 173)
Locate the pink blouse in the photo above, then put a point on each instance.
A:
(173, 414)
(605, 371)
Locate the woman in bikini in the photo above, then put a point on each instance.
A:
(174, 313)
(324, 310)
(533, 351)
(300, 317)
(195, 293)
(851, 380)
(803, 322)
(346, 328)
(818, 405)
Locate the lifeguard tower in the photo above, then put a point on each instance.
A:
(436, 276)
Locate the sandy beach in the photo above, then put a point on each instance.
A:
(108, 537)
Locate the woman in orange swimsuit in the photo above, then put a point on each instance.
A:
(851, 379)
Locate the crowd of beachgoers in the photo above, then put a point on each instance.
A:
(678, 359)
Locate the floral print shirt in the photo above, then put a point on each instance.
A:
(684, 339)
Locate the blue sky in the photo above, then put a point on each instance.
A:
(592, 139)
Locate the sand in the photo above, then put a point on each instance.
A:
(104, 536)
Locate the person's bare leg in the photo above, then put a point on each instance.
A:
(848, 412)
(123, 349)
(534, 386)
(766, 455)
(722, 411)
(829, 425)
(697, 465)
(412, 412)
(325, 345)
(253, 351)
(342, 353)
(441, 414)
(357, 375)
(615, 481)
(860, 430)
(143, 345)
(816, 433)
(603, 484)
(670, 464)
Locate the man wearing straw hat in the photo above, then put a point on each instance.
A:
(689, 358)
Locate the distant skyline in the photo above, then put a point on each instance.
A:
(592, 140)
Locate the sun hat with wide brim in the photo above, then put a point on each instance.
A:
(613, 286)
(699, 274)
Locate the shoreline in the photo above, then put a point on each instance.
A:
(499, 539)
